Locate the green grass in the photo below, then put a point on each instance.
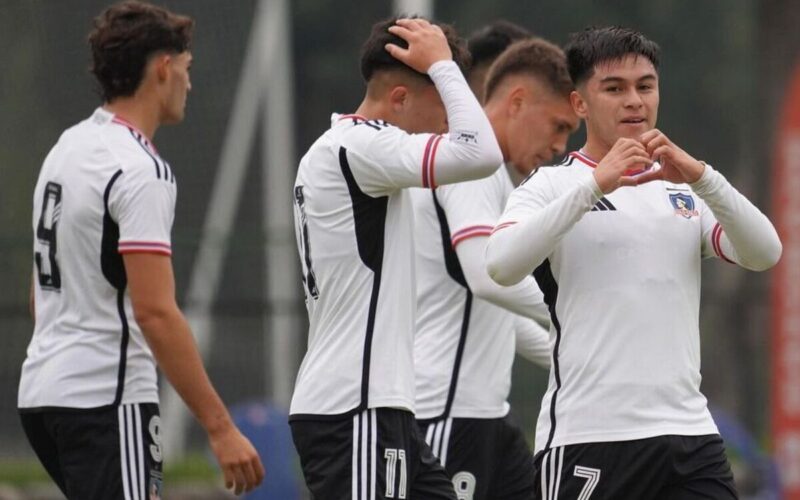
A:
(193, 468)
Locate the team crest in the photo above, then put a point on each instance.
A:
(684, 205)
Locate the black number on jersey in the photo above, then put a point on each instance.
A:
(309, 279)
(49, 274)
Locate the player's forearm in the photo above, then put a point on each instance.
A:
(533, 342)
(749, 232)
(515, 251)
(471, 150)
(524, 298)
(175, 351)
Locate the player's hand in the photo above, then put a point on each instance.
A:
(426, 44)
(240, 463)
(626, 155)
(677, 165)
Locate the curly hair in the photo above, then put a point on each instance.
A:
(124, 38)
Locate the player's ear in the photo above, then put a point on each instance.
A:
(398, 98)
(578, 103)
(161, 63)
(515, 100)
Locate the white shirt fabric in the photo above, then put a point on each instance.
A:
(464, 347)
(621, 275)
(354, 226)
(103, 190)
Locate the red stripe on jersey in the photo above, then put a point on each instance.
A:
(352, 115)
(503, 226)
(144, 250)
(716, 235)
(425, 158)
(432, 163)
(156, 245)
(461, 235)
(472, 228)
(126, 123)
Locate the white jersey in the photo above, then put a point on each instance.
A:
(102, 191)
(464, 348)
(621, 275)
(354, 226)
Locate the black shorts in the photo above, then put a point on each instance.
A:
(658, 468)
(99, 454)
(374, 454)
(487, 459)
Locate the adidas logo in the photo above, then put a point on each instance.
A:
(603, 205)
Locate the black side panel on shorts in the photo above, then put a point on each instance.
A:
(547, 283)
(369, 216)
(114, 271)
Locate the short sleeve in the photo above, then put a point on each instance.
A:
(143, 206)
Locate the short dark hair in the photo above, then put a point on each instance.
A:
(374, 57)
(535, 57)
(594, 45)
(490, 41)
(124, 37)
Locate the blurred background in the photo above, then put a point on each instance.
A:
(266, 77)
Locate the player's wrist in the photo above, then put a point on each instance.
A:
(218, 425)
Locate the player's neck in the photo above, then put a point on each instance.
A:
(372, 110)
(132, 111)
(595, 149)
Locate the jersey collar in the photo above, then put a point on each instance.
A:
(584, 158)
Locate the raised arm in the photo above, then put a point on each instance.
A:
(387, 158)
(538, 214)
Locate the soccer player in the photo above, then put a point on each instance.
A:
(352, 410)
(485, 45)
(616, 235)
(103, 288)
(464, 348)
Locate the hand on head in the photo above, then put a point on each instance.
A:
(427, 44)
(629, 163)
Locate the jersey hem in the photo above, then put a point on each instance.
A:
(610, 437)
(73, 409)
(394, 405)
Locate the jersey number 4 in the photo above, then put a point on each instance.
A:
(47, 266)
(309, 278)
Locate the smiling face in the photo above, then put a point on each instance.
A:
(620, 99)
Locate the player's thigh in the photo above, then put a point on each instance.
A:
(466, 449)
(329, 457)
(513, 477)
(44, 445)
(701, 469)
(429, 479)
(113, 453)
(627, 469)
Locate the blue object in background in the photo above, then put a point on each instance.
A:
(267, 427)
